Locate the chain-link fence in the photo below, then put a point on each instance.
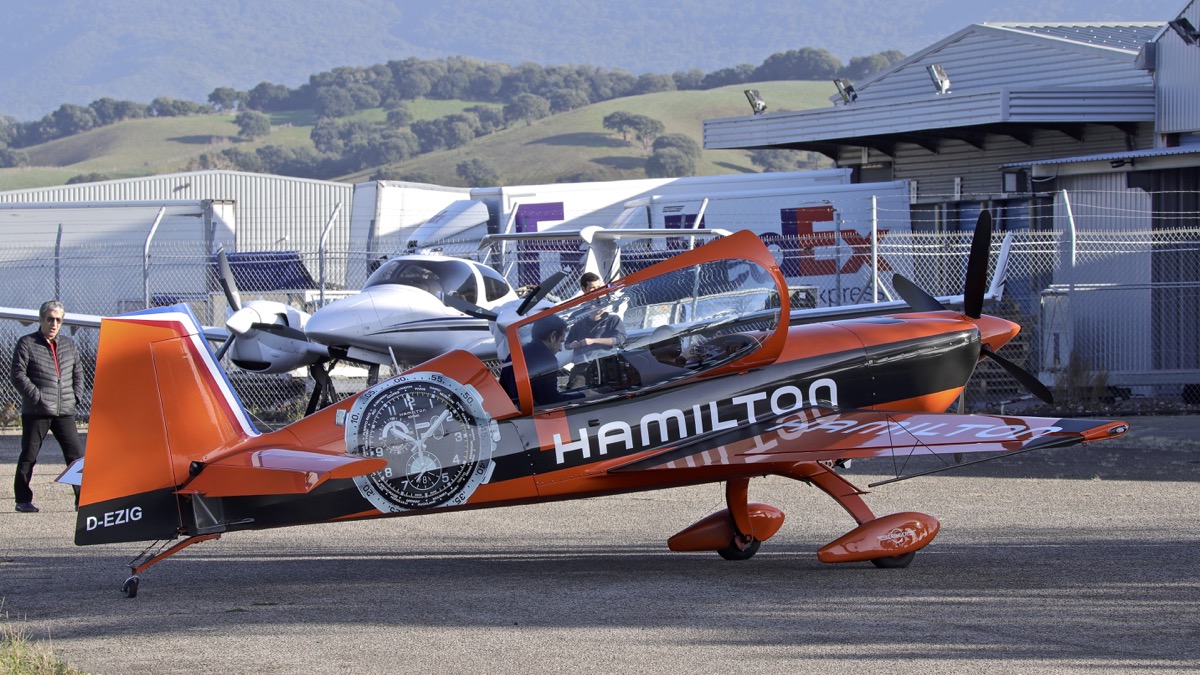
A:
(1117, 312)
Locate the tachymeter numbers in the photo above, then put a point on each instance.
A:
(434, 434)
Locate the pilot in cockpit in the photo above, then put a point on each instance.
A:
(423, 279)
(593, 331)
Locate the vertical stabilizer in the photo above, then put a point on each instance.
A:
(160, 401)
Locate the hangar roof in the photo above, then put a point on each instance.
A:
(1003, 79)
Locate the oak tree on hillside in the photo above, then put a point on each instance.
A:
(670, 163)
(646, 129)
(681, 142)
(252, 124)
(478, 173)
(226, 99)
(528, 107)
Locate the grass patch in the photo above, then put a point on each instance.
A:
(19, 655)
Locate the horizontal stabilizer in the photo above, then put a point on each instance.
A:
(276, 472)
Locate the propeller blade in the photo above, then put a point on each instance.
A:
(977, 264)
(282, 331)
(470, 309)
(1021, 375)
(915, 296)
(225, 277)
(224, 347)
(540, 291)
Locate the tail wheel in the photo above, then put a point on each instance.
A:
(894, 562)
(735, 552)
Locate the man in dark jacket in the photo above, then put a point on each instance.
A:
(593, 331)
(47, 373)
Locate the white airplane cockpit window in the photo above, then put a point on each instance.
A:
(494, 285)
(433, 276)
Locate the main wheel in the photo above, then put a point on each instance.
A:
(894, 562)
(130, 587)
(733, 552)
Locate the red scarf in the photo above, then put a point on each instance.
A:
(54, 353)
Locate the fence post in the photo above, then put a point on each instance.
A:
(146, 257)
(321, 250)
(58, 264)
(697, 222)
(874, 248)
(1071, 224)
(507, 264)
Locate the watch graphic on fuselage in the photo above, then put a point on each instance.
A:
(433, 432)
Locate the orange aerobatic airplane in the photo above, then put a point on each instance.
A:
(704, 381)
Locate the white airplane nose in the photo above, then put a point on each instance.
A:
(341, 321)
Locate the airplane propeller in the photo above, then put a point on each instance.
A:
(232, 297)
(246, 318)
(541, 290)
(973, 291)
(469, 308)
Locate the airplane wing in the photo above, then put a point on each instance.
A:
(275, 471)
(29, 316)
(817, 434)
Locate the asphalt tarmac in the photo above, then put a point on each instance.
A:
(1059, 561)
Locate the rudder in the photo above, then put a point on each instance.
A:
(159, 403)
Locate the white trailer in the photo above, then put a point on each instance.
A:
(821, 236)
(385, 213)
(391, 217)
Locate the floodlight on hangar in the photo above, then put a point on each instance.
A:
(940, 79)
(757, 104)
(846, 90)
(1185, 30)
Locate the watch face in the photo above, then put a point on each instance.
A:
(433, 432)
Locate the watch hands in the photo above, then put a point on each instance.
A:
(400, 430)
(435, 425)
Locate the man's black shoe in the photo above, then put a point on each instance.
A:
(27, 507)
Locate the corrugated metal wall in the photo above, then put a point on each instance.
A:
(273, 212)
(980, 169)
(1177, 75)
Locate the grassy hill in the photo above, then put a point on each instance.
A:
(572, 145)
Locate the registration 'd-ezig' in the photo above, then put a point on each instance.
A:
(711, 385)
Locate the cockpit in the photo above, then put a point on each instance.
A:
(475, 283)
(674, 325)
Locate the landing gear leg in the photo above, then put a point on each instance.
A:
(902, 534)
(323, 392)
(148, 560)
(744, 545)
